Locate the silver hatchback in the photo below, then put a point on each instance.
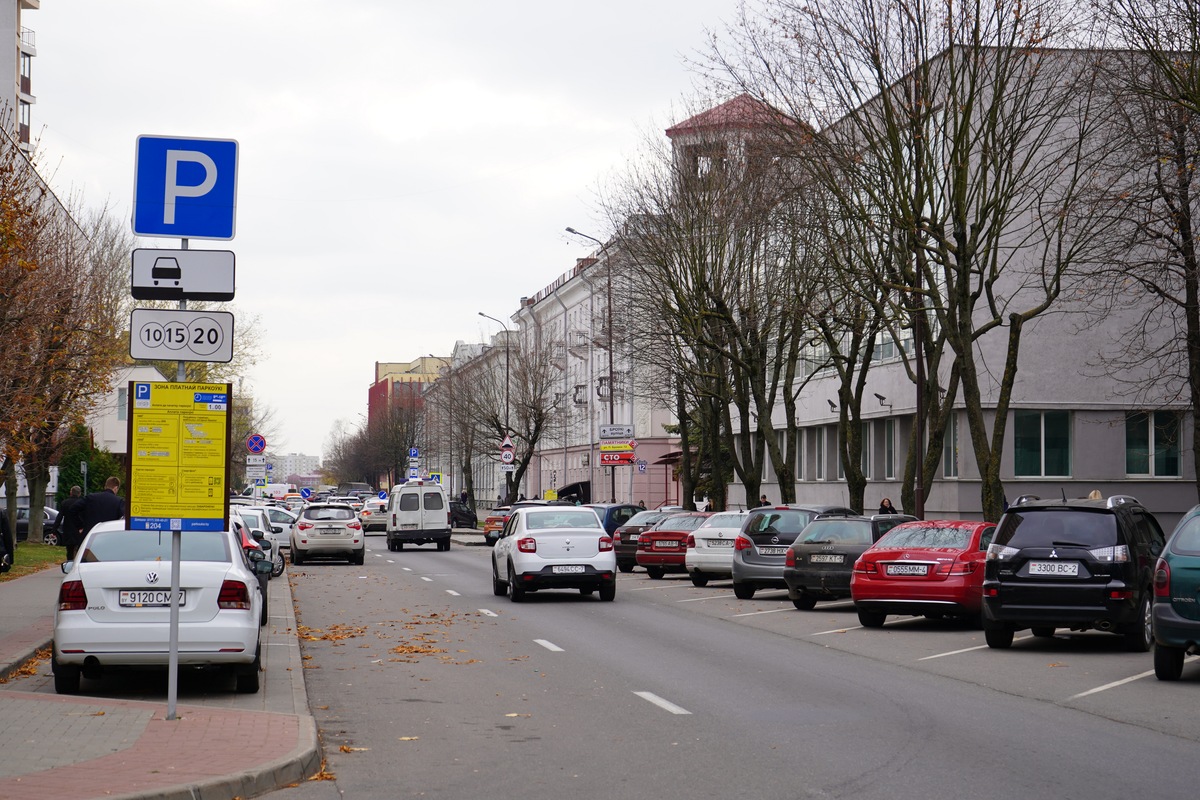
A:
(761, 548)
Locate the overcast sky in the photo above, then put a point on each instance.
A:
(404, 164)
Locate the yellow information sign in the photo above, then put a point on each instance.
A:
(179, 456)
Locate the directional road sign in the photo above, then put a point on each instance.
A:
(306, 493)
(182, 275)
(178, 335)
(616, 459)
(616, 431)
(257, 461)
(185, 188)
(617, 446)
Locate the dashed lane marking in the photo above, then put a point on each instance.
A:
(430, 580)
(487, 612)
(666, 705)
(452, 592)
(551, 646)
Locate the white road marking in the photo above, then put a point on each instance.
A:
(756, 613)
(377, 555)
(451, 591)
(1112, 685)
(407, 569)
(488, 612)
(426, 579)
(969, 649)
(390, 561)
(665, 705)
(551, 646)
(838, 630)
(710, 597)
(661, 585)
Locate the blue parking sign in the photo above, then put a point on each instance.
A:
(186, 188)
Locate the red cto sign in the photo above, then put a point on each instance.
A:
(617, 459)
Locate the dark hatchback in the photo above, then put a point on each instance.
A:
(819, 564)
(461, 515)
(1076, 564)
(760, 549)
(1177, 599)
(625, 538)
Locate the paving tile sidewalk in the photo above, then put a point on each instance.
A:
(87, 746)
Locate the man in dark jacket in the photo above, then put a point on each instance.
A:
(68, 533)
(97, 507)
(5, 536)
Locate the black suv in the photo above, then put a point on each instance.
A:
(1077, 564)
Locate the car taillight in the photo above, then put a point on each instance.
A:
(691, 542)
(955, 567)
(1162, 579)
(1117, 554)
(606, 544)
(527, 545)
(354, 526)
(742, 543)
(234, 594)
(789, 560)
(303, 526)
(72, 596)
(617, 537)
(644, 543)
(864, 567)
(1000, 552)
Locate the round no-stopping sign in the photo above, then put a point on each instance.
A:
(506, 456)
(256, 443)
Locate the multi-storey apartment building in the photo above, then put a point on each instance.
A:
(18, 46)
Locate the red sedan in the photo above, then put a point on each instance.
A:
(932, 567)
(663, 548)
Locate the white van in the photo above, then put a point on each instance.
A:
(418, 512)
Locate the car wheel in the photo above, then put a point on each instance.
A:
(806, 602)
(1168, 663)
(871, 619)
(262, 615)
(1042, 632)
(399, 546)
(515, 593)
(624, 567)
(297, 557)
(699, 579)
(248, 677)
(608, 593)
(1139, 635)
(66, 678)
(655, 573)
(277, 564)
(446, 545)
(743, 591)
(499, 587)
(359, 558)
(50, 538)
(998, 638)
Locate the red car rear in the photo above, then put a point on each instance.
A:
(663, 548)
(931, 567)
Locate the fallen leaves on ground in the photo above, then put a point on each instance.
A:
(348, 749)
(29, 668)
(407, 738)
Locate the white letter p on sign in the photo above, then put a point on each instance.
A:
(174, 190)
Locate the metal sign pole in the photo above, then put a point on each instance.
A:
(176, 546)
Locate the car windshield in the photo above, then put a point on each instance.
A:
(926, 536)
(786, 520)
(680, 523)
(724, 521)
(645, 518)
(566, 518)
(155, 546)
(1057, 527)
(329, 513)
(838, 531)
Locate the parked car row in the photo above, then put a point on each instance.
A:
(1098, 564)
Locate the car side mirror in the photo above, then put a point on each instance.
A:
(258, 535)
(67, 566)
(257, 556)
(262, 567)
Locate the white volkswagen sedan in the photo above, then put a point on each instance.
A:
(710, 547)
(114, 605)
(554, 547)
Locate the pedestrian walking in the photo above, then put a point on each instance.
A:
(886, 507)
(64, 524)
(102, 506)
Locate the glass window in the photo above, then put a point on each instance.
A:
(156, 546)
(950, 448)
(434, 502)
(1152, 443)
(1041, 443)
(865, 456)
(819, 454)
(889, 448)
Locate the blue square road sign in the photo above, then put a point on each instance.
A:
(185, 188)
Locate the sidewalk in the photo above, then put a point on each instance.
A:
(221, 746)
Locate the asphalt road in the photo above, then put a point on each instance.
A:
(424, 684)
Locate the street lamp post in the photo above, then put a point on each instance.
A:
(507, 427)
(612, 397)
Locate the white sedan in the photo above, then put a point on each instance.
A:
(554, 547)
(710, 547)
(114, 605)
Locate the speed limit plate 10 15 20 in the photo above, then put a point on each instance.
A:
(179, 335)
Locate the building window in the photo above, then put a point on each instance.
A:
(122, 404)
(889, 448)
(819, 454)
(950, 448)
(1152, 443)
(865, 457)
(1041, 443)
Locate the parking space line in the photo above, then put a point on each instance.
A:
(659, 585)
(488, 612)
(551, 646)
(756, 613)
(710, 597)
(1112, 685)
(665, 705)
(451, 591)
(968, 649)
(426, 579)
